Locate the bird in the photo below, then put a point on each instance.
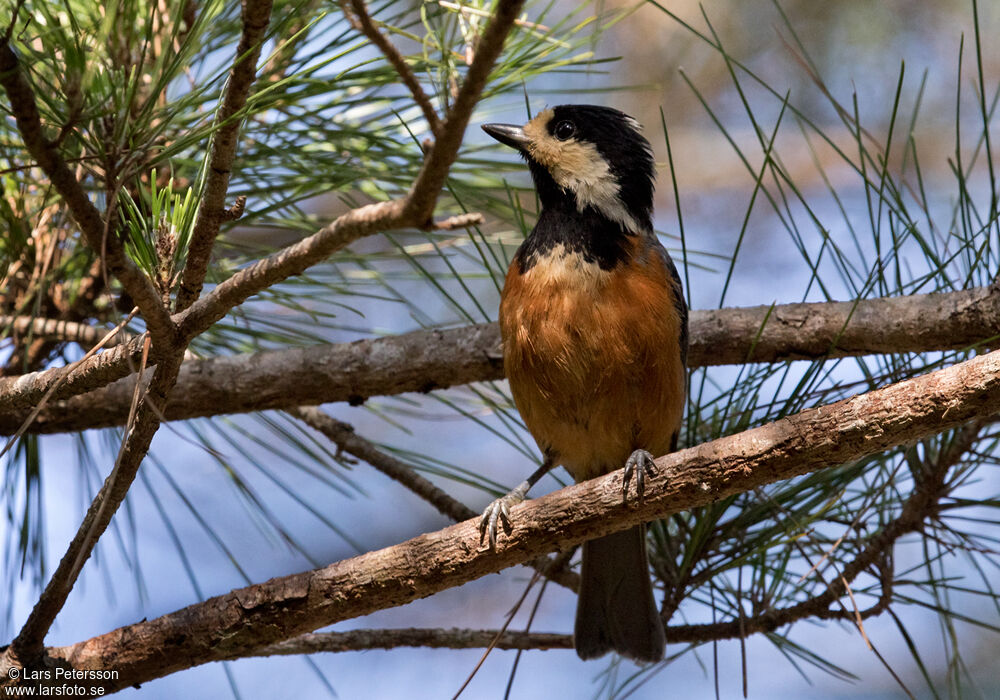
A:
(594, 329)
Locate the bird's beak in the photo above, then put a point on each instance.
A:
(508, 134)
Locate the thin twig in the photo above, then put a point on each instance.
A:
(415, 209)
(281, 58)
(28, 643)
(88, 542)
(357, 15)
(108, 337)
(500, 632)
(420, 202)
(211, 209)
(344, 437)
(460, 221)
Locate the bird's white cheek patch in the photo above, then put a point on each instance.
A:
(578, 167)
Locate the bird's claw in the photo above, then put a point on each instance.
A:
(498, 512)
(640, 463)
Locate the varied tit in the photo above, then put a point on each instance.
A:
(594, 329)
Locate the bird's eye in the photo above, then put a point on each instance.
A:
(565, 130)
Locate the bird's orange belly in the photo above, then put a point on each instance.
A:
(593, 359)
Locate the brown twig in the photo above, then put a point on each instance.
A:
(362, 640)
(293, 260)
(459, 221)
(281, 58)
(415, 209)
(234, 624)
(344, 437)
(211, 208)
(101, 342)
(357, 15)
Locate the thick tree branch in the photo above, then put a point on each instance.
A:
(22, 392)
(211, 209)
(807, 331)
(427, 360)
(45, 153)
(235, 624)
(357, 15)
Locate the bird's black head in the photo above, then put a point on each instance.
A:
(595, 155)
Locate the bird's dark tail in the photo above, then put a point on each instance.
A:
(616, 610)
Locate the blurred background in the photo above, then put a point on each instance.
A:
(800, 134)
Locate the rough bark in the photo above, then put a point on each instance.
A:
(235, 624)
(256, 18)
(426, 360)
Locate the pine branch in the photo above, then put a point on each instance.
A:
(426, 360)
(171, 344)
(918, 507)
(211, 209)
(420, 201)
(921, 505)
(416, 209)
(233, 625)
(47, 156)
(343, 436)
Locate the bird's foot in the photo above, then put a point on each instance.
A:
(640, 463)
(498, 513)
